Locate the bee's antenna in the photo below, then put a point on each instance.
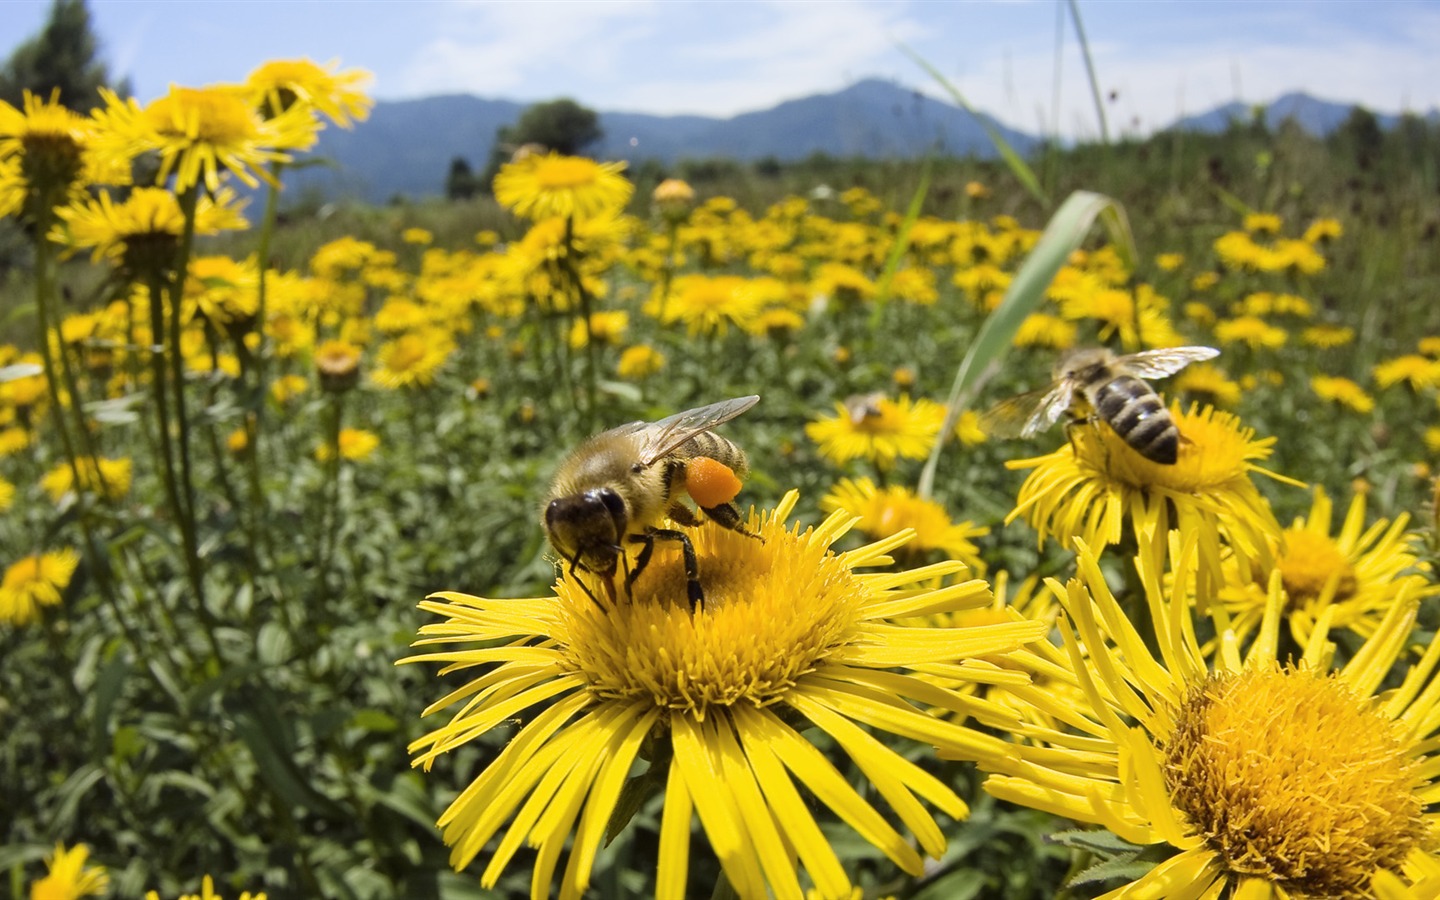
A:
(575, 575)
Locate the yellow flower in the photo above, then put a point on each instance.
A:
(110, 478)
(33, 582)
(551, 185)
(279, 84)
(198, 132)
(890, 510)
(880, 432)
(1322, 230)
(7, 493)
(640, 361)
(1326, 336)
(207, 892)
(411, 360)
(49, 153)
(1204, 281)
(605, 327)
(337, 363)
(1429, 345)
(1272, 781)
(1210, 383)
(1416, 371)
(1169, 262)
(1250, 330)
(144, 230)
(1342, 391)
(1089, 486)
(1045, 330)
(223, 291)
(789, 631)
(356, 444)
(69, 878)
(976, 191)
(1262, 223)
(710, 305)
(1347, 580)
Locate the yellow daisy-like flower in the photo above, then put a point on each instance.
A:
(1417, 371)
(542, 186)
(1089, 486)
(198, 132)
(605, 327)
(888, 511)
(1272, 781)
(144, 230)
(880, 432)
(411, 360)
(1169, 262)
(69, 878)
(50, 152)
(789, 632)
(710, 305)
(110, 478)
(419, 236)
(1262, 223)
(1349, 579)
(1045, 330)
(207, 892)
(638, 362)
(13, 440)
(1322, 230)
(1250, 330)
(1208, 382)
(33, 582)
(7, 493)
(1326, 336)
(356, 444)
(1342, 391)
(282, 83)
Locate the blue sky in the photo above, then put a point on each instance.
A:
(1162, 59)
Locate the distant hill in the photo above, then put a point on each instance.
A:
(1318, 117)
(406, 146)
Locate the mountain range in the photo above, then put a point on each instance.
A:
(406, 147)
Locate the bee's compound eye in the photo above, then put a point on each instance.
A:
(613, 504)
(553, 511)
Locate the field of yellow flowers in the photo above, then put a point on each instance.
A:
(235, 494)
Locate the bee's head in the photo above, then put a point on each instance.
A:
(586, 529)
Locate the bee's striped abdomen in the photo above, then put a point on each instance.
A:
(708, 443)
(1134, 410)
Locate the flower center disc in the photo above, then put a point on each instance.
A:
(1293, 778)
(1308, 562)
(564, 173)
(774, 609)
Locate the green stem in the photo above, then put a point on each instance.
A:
(189, 200)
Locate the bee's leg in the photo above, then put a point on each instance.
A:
(641, 561)
(579, 579)
(687, 551)
(727, 516)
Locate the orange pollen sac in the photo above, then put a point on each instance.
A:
(710, 482)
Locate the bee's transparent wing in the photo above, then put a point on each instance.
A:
(1029, 414)
(665, 435)
(1163, 362)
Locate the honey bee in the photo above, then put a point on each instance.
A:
(620, 484)
(1095, 384)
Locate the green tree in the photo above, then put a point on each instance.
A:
(460, 183)
(560, 125)
(64, 55)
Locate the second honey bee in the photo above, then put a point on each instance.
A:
(1094, 383)
(616, 488)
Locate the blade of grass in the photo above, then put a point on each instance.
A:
(902, 243)
(1018, 167)
(1063, 234)
(1090, 71)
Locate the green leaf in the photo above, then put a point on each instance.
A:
(108, 687)
(1093, 840)
(1065, 232)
